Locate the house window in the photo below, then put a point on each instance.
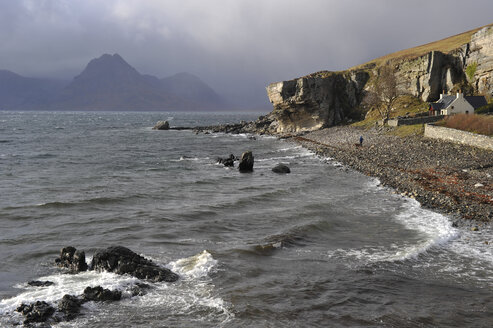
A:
(452, 107)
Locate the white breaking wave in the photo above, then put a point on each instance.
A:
(433, 228)
(195, 267)
(73, 284)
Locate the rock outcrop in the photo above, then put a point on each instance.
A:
(72, 259)
(161, 125)
(121, 260)
(281, 168)
(316, 101)
(69, 307)
(246, 162)
(39, 311)
(100, 294)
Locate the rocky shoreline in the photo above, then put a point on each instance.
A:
(453, 179)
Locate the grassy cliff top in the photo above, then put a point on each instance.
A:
(445, 45)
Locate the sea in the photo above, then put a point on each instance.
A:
(323, 246)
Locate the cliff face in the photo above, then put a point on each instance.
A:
(317, 101)
(469, 66)
(325, 99)
(480, 60)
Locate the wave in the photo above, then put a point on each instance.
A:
(194, 267)
(433, 230)
(91, 201)
(192, 295)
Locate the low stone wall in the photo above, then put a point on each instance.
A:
(463, 137)
(414, 120)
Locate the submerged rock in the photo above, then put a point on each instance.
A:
(246, 162)
(281, 168)
(139, 289)
(228, 161)
(161, 125)
(122, 260)
(72, 259)
(100, 294)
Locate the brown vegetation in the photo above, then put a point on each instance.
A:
(470, 122)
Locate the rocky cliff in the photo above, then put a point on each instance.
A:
(315, 101)
(324, 99)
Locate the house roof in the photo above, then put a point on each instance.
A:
(476, 101)
(443, 103)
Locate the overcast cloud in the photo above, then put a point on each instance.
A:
(236, 46)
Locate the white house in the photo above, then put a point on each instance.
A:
(458, 104)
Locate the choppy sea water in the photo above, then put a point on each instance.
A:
(321, 247)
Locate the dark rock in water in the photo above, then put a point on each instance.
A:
(69, 305)
(281, 168)
(246, 162)
(228, 161)
(100, 294)
(122, 260)
(72, 259)
(139, 289)
(37, 283)
(39, 311)
(161, 125)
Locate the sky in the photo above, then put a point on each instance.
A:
(238, 47)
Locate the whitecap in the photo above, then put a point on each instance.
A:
(73, 284)
(195, 267)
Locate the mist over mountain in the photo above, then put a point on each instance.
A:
(108, 83)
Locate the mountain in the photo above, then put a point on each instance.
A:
(461, 62)
(110, 83)
(18, 92)
(190, 87)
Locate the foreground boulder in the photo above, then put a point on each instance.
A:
(281, 168)
(161, 125)
(69, 306)
(72, 259)
(39, 311)
(246, 162)
(121, 260)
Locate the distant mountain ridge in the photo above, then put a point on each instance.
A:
(108, 83)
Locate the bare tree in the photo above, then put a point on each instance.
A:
(384, 93)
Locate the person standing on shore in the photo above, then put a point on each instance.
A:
(361, 140)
